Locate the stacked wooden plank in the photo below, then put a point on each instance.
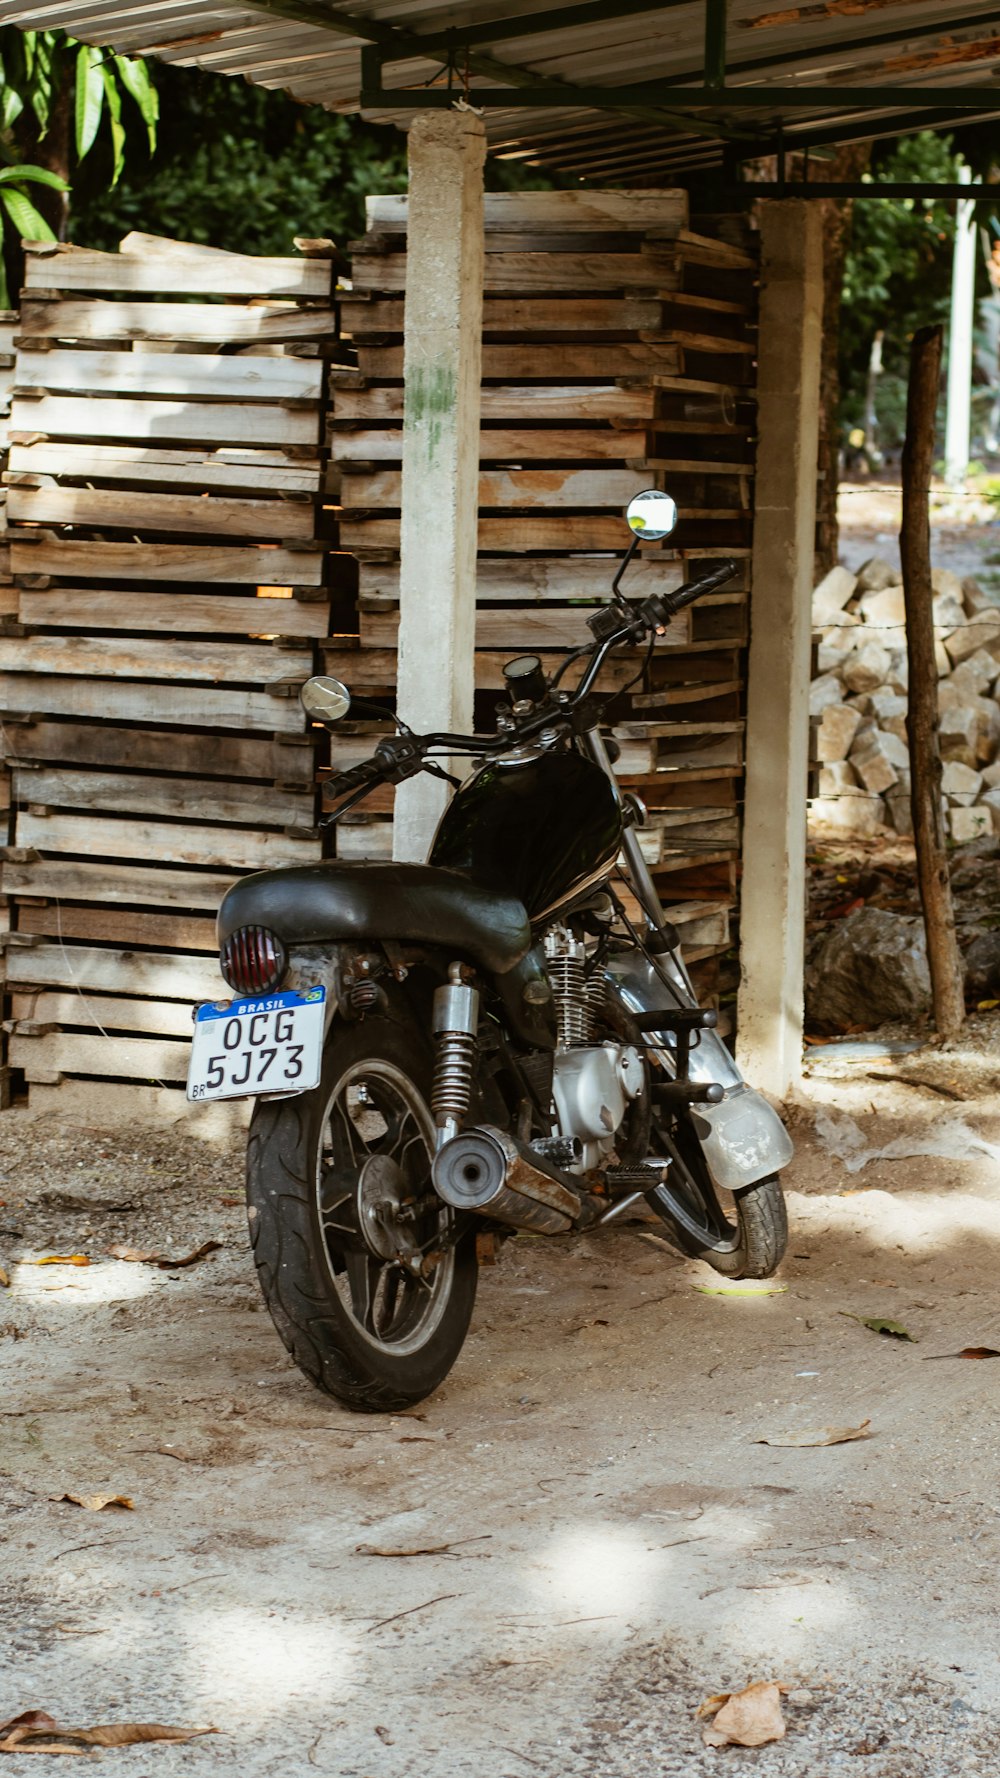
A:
(164, 490)
(618, 353)
(8, 608)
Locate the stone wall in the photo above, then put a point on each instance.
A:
(859, 701)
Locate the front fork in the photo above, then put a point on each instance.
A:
(660, 929)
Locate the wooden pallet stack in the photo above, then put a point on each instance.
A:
(618, 353)
(164, 490)
(8, 609)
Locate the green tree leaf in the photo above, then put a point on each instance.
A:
(135, 78)
(39, 73)
(11, 107)
(114, 99)
(26, 219)
(37, 175)
(89, 97)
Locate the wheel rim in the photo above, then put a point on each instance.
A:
(689, 1199)
(375, 1114)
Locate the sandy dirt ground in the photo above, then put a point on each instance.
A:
(611, 1544)
(965, 527)
(605, 1540)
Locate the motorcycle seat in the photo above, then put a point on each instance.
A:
(412, 903)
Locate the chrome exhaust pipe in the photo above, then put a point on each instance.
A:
(488, 1171)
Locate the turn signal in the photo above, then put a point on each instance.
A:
(253, 960)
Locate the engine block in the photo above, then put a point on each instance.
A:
(593, 1082)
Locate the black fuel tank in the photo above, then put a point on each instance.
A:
(534, 828)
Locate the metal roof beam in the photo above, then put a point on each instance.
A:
(395, 44)
(804, 138)
(847, 46)
(875, 188)
(679, 100)
(715, 44)
(559, 18)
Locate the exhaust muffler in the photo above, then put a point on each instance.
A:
(490, 1172)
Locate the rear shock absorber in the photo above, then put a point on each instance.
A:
(455, 1022)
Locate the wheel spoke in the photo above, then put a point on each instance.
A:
(390, 1300)
(395, 1115)
(379, 1139)
(362, 1278)
(336, 1206)
(694, 1204)
(347, 1152)
(413, 1162)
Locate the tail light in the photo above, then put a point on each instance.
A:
(253, 960)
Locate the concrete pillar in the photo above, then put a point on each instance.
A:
(442, 363)
(772, 918)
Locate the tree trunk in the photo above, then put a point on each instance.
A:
(922, 721)
(53, 150)
(848, 163)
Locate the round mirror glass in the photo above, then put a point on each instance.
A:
(651, 514)
(326, 700)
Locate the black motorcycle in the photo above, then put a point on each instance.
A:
(445, 1053)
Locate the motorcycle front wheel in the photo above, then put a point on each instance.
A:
(749, 1241)
(338, 1185)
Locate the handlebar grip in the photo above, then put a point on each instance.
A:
(353, 778)
(707, 583)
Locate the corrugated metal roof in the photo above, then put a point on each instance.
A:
(902, 53)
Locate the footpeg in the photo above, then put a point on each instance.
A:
(636, 1182)
(643, 1178)
(681, 1093)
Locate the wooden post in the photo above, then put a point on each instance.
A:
(922, 721)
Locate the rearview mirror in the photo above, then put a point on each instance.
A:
(651, 515)
(325, 700)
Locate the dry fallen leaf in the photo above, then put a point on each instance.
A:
(419, 1549)
(966, 1352)
(34, 1731)
(4, 1278)
(63, 1259)
(427, 1549)
(823, 1435)
(96, 1503)
(143, 1256)
(878, 1324)
(745, 1719)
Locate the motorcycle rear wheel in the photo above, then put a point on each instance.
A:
(362, 1327)
(752, 1245)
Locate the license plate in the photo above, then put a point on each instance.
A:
(273, 1044)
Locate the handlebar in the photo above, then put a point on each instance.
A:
(354, 777)
(402, 756)
(696, 589)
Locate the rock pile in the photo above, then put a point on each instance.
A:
(860, 699)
